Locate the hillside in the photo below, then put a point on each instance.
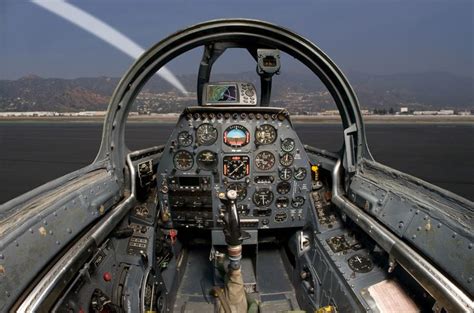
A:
(429, 91)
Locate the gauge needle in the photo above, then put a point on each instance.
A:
(235, 169)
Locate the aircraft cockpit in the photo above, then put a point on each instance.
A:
(236, 214)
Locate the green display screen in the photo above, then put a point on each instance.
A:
(221, 93)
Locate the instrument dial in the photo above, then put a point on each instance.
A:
(286, 159)
(264, 160)
(287, 145)
(185, 139)
(283, 187)
(243, 209)
(236, 166)
(183, 160)
(236, 136)
(285, 173)
(206, 134)
(297, 202)
(263, 197)
(265, 134)
(241, 189)
(360, 263)
(300, 173)
(207, 160)
(282, 202)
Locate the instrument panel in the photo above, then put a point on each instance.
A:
(254, 151)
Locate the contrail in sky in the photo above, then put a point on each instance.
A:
(105, 32)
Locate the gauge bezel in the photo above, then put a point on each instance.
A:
(242, 158)
(205, 166)
(280, 173)
(259, 128)
(263, 205)
(296, 171)
(272, 158)
(367, 267)
(191, 157)
(236, 127)
(189, 135)
(282, 198)
(294, 201)
(287, 164)
(286, 183)
(207, 142)
(282, 144)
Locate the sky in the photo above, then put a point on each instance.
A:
(375, 37)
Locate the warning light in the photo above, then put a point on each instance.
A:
(107, 276)
(314, 172)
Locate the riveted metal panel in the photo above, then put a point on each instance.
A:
(29, 241)
(453, 252)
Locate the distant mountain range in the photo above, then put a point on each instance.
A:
(429, 91)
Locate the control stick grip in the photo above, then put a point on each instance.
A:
(232, 232)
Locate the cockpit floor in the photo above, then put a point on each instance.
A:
(274, 285)
(275, 292)
(194, 291)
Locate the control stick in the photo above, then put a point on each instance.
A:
(233, 297)
(233, 234)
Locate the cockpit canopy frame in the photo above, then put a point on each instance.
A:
(244, 33)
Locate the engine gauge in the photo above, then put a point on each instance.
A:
(263, 197)
(265, 134)
(236, 166)
(286, 159)
(206, 134)
(241, 189)
(283, 187)
(282, 202)
(285, 173)
(264, 160)
(207, 160)
(287, 145)
(360, 263)
(300, 173)
(185, 139)
(297, 202)
(183, 160)
(236, 136)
